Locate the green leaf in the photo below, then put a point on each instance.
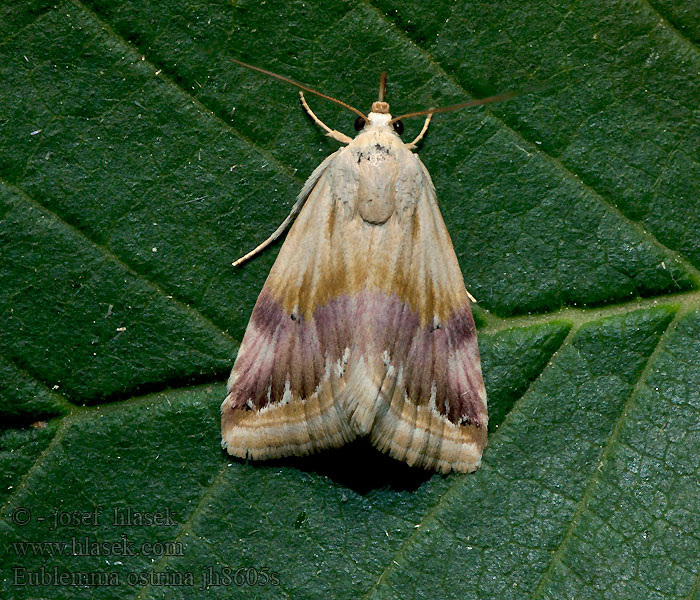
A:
(137, 161)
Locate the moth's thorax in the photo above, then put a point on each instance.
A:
(377, 154)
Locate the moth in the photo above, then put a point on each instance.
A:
(363, 326)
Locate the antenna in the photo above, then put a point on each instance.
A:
(382, 87)
(475, 102)
(306, 88)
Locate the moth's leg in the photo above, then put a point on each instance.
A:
(419, 137)
(336, 135)
(267, 242)
(280, 230)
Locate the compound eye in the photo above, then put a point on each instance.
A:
(359, 123)
(398, 127)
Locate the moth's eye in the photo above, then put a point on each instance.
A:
(359, 123)
(398, 127)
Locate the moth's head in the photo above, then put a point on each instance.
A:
(379, 116)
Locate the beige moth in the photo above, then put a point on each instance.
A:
(363, 326)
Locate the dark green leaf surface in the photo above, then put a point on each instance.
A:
(137, 161)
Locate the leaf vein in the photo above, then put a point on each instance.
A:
(557, 556)
(108, 254)
(432, 513)
(669, 25)
(536, 150)
(192, 98)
